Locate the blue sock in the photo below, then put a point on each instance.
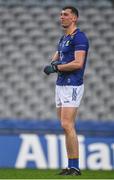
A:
(73, 163)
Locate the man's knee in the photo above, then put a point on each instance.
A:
(66, 126)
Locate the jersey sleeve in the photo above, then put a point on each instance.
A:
(81, 42)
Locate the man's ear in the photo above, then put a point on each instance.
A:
(75, 18)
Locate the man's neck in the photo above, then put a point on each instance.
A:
(70, 30)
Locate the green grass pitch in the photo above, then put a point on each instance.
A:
(52, 174)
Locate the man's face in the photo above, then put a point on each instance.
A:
(67, 18)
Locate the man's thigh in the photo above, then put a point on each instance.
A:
(68, 114)
(59, 112)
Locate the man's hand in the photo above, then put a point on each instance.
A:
(52, 68)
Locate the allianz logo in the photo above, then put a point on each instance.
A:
(48, 151)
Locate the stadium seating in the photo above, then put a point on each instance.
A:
(29, 32)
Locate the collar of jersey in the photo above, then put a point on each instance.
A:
(74, 32)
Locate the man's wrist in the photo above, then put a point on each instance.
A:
(55, 67)
(59, 67)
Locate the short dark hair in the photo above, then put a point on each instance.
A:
(73, 9)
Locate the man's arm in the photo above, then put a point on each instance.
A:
(55, 56)
(75, 64)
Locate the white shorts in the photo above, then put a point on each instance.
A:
(68, 96)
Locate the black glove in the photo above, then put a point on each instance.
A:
(55, 63)
(52, 68)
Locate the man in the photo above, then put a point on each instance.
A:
(69, 62)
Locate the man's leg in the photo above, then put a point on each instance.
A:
(68, 116)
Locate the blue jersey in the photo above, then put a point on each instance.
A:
(66, 49)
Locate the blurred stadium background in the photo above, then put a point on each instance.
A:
(29, 32)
